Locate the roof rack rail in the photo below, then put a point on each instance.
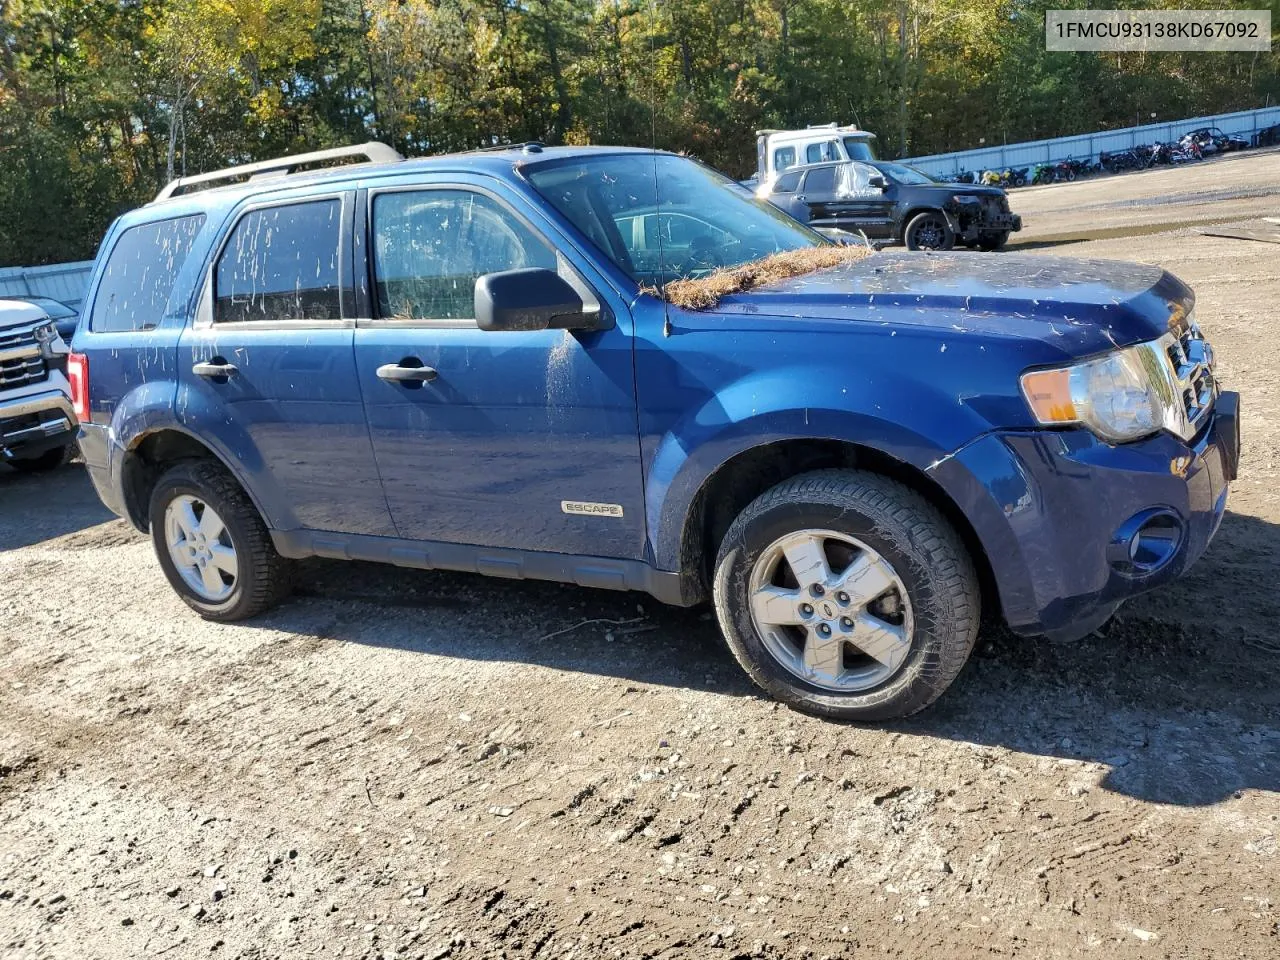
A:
(528, 146)
(371, 152)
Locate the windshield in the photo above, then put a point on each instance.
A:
(904, 174)
(859, 148)
(660, 217)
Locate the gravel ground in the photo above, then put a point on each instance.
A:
(403, 764)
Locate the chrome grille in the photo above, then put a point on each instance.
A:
(21, 360)
(1191, 360)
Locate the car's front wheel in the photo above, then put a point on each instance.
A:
(929, 231)
(848, 595)
(212, 544)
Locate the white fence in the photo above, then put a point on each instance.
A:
(1087, 146)
(61, 281)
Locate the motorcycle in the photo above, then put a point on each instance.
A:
(1202, 141)
(1064, 170)
(1005, 178)
(1187, 151)
(1081, 168)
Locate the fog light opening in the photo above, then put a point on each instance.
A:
(1146, 543)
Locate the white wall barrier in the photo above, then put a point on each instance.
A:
(1244, 123)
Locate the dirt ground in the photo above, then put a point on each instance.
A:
(402, 764)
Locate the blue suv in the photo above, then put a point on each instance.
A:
(475, 362)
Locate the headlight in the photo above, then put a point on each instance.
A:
(1122, 396)
(966, 200)
(45, 332)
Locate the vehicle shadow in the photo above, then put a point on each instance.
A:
(35, 507)
(1181, 697)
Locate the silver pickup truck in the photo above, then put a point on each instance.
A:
(37, 422)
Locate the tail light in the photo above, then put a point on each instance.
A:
(78, 378)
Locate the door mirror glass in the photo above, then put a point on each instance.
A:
(531, 299)
(877, 182)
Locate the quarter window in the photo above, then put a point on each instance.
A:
(138, 278)
(783, 158)
(281, 263)
(430, 246)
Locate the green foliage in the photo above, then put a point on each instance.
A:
(102, 100)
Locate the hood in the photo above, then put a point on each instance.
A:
(15, 313)
(978, 189)
(1078, 307)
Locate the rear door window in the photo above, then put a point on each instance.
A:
(820, 182)
(137, 280)
(281, 263)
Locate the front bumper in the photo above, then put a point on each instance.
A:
(1004, 221)
(34, 423)
(1072, 526)
(971, 221)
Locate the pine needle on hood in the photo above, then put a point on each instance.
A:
(705, 292)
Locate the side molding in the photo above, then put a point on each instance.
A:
(597, 572)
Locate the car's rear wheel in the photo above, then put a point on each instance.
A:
(929, 231)
(993, 241)
(848, 595)
(212, 544)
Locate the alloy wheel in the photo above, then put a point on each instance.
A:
(831, 610)
(201, 548)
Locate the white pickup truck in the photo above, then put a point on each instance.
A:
(776, 150)
(37, 422)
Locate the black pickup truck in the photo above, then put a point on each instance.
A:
(894, 203)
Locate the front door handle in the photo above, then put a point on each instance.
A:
(217, 367)
(399, 373)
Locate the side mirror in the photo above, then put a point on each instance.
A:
(532, 299)
(877, 182)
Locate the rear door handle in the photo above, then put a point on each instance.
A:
(398, 373)
(214, 368)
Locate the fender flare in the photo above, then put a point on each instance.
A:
(839, 409)
(151, 410)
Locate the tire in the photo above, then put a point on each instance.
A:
(262, 577)
(993, 241)
(890, 524)
(49, 460)
(931, 224)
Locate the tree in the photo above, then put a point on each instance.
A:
(102, 100)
